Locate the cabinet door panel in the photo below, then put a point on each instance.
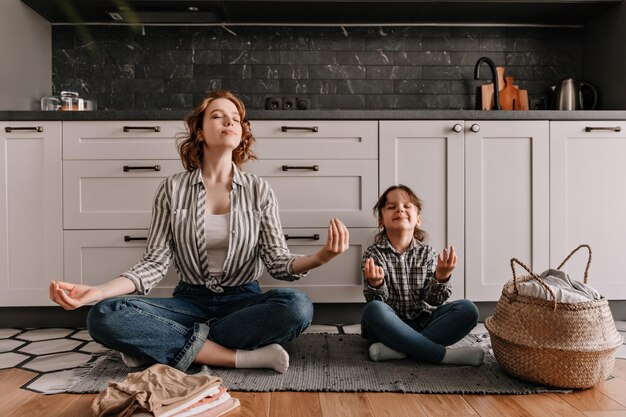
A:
(507, 200)
(101, 195)
(427, 156)
(587, 202)
(295, 139)
(31, 235)
(339, 281)
(94, 257)
(110, 139)
(308, 198)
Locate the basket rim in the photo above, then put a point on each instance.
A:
(493, 334)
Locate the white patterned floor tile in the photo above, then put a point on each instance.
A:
(480, 328)
(7, 345)
(352, 329)
(44, 334)
(57, 361)
(50, 346)
(621, 352)
(621, 325)
(93, 347)
(4, 333)
(82, 335)
(52, 383)
(11, 359)
(319, 328)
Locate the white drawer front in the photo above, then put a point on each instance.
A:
(309, 198)
(306, 139)
(101, 195)
(121, 139)
(340, 280)
(94, 257)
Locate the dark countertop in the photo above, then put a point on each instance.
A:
(323, 115)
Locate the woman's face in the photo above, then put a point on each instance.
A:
(399, 213)
(221, 126)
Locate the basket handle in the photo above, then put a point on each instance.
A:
(532, 274)
(586, 275)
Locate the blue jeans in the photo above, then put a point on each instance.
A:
(420, 339)
(172, 330)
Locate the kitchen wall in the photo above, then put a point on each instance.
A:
(26, 55)
(425, 67)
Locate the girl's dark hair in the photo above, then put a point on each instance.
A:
(190, 145)
(418, 234)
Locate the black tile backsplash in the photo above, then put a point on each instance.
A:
(428, 67)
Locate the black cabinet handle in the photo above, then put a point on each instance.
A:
(611, 129)
(153, 128)
(312, 237)
(128, 238)
(312, 167)
(288, 128)
(10, 129)
(152, 167)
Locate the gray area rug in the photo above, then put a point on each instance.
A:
(340, 363)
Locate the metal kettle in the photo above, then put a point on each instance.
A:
(568, 95)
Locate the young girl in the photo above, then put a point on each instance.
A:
(406, 286)
(220, 225)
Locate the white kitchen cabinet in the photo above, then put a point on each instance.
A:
(112, 194)
(587, 201)
(31, 231)
(339, 281)
(93, 257)
(427, 156)
(345, 189)
(506, 202)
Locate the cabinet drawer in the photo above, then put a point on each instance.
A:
(94, 257)
(340, 280)
(306, 139)
(309, 198)
(121, 139)
(102, 195)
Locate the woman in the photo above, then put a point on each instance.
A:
(221, 227)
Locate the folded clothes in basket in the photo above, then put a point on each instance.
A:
(564, 289)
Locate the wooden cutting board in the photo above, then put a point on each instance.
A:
(511, 97)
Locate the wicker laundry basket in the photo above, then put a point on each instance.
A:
(566, 345)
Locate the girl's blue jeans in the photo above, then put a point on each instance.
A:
(172, 330)
(420, 340)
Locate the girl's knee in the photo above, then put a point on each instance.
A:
(375, 310)
(469, 309)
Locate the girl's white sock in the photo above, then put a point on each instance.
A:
(270, 356)
(382, 352)
(464, 355)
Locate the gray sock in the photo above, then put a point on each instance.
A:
(381, 352)
(464, 355)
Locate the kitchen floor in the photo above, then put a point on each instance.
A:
(33, 359)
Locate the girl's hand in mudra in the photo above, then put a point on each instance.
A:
(374, 274)
(446, 262)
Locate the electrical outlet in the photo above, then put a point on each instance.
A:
(289, 103)
(273, 103)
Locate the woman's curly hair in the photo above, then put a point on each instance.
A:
(190, 144)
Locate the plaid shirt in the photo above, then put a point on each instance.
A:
(177, 232)
(410, 287)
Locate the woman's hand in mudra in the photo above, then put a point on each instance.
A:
(338, 241)
(71, 296)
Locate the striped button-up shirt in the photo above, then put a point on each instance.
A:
(410, 287)
(177, 232)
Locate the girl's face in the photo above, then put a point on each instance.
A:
(221, 125)
(399, 213)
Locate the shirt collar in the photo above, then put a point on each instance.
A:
(197, 175)
(384, 243)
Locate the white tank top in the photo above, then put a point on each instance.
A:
(216, 234)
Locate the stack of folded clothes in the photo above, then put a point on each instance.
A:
(162, 391)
